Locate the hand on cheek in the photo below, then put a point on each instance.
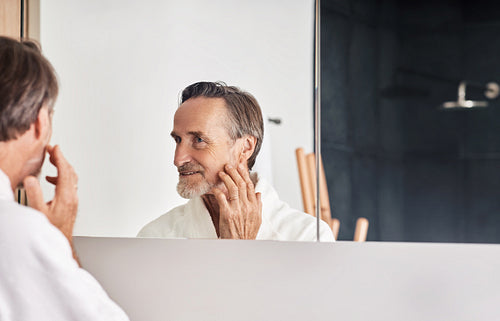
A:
(240, 207)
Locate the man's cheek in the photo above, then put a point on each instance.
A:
(223, 188)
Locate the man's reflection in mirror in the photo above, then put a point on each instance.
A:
(218, 131)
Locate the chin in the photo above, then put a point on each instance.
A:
(190, 191)
(36, 168)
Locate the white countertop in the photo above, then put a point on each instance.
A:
(156, 279)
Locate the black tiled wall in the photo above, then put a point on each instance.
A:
(416, 172)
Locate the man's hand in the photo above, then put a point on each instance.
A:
(241, 209)
(61, 211)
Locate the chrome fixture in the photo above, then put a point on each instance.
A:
(491, 92)
(276, 120)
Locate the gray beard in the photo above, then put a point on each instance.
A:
(188, 191)
(191, 190)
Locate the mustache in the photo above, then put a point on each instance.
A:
(189, 167)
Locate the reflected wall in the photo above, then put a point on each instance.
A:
(122, 65)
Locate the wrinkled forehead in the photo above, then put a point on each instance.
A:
(201, 114)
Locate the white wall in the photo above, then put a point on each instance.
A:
(122, 65)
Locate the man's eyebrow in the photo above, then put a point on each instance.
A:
(191, 133)
(197, 134)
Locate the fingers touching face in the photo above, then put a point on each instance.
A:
(237, 183)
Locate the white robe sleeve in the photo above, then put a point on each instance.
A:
(39, 279)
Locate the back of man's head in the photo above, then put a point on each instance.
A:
(27, 83)
(243, 110)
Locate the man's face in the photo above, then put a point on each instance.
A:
(203, 145)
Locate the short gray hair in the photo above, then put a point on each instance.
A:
(27, 83)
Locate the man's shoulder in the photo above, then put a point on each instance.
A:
(27, 233)
(163, 226)
(21, 220)
(45, 271)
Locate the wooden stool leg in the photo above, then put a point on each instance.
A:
(335, 228)
(305, 185)
(361, 230)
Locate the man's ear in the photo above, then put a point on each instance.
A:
(248, 148)
(42, 124)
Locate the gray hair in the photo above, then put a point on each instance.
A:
(27, 83)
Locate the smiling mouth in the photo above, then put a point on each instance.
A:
(188, 173)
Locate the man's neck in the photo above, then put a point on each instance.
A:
(11, 162)
(213, 206)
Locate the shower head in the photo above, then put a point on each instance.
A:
(491, 92)
(464, 104)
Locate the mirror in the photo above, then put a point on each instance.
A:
(122, 65)
(392, 154)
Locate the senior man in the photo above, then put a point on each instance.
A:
(218, 131)
(40, 278)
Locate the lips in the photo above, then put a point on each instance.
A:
(189, 169)
(187, 173)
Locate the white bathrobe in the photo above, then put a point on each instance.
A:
(39, 279)
(279, 221)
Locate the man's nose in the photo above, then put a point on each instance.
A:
(182, 155)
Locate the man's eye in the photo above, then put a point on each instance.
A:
(199, 140)
(177, 140)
